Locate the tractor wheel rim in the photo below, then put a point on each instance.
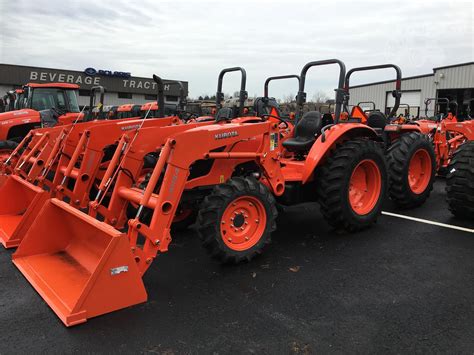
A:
(365, 187)
(243, 223)
(419, 171)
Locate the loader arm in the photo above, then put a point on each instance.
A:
(175, 159)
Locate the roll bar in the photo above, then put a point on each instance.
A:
(301, 97)
(442, 100)
(279, 77)
(242, 95)
(161, 95)
(95, 89)
(11, 100)
(468, 108)
(397, 93)
(407, 106)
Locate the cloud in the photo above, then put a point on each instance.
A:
(193, 41)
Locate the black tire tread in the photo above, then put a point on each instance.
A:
(333, 174)
(212, 207)
(398, 157)
(460, 182)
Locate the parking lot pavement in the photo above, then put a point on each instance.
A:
(401, 286)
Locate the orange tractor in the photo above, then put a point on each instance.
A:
(65, 162)
(77, 158)
(88, 264)
(39, 105)
(51, 131)
(409, 153)
(454, 147)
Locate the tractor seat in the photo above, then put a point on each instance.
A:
(377, 119)
(305, 132)
(225, 114)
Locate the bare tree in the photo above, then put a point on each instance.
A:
(319, 97)
(288, 98)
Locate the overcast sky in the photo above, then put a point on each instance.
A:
(194, 40)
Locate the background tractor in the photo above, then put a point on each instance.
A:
(409, 153)
(39, 105)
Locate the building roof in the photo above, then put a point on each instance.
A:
(454, 65)
(412, 77)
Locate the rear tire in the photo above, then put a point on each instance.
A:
(345, 204)
(236, 220)
(460, 182)
(411, 164)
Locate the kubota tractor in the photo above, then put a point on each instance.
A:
(76, 155)
(40, 105)
(84, 267)
(409, 153)
(452, 141)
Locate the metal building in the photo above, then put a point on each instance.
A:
(121, 87)
(455, 82)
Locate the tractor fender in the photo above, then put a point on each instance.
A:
(324, 143)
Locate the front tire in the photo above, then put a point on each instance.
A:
(460, 182)
(352, 185)
(236, 220)
(411, 169)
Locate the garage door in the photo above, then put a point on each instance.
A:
(412, 98)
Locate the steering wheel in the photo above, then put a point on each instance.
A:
(58, 111)
(277, 117)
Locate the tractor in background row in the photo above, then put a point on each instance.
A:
(409, 153)
(454, 147)
(38, 105)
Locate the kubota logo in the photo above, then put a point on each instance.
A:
(129, 128)
(226, 135)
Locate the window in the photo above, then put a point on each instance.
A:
(125, 95)
(46, 98)
(150, 97)
(171, 98)
(72, 99)
(84, 92)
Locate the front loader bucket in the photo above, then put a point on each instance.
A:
(20, 203)
(81, 267)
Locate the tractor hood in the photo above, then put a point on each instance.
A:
(19, 117)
